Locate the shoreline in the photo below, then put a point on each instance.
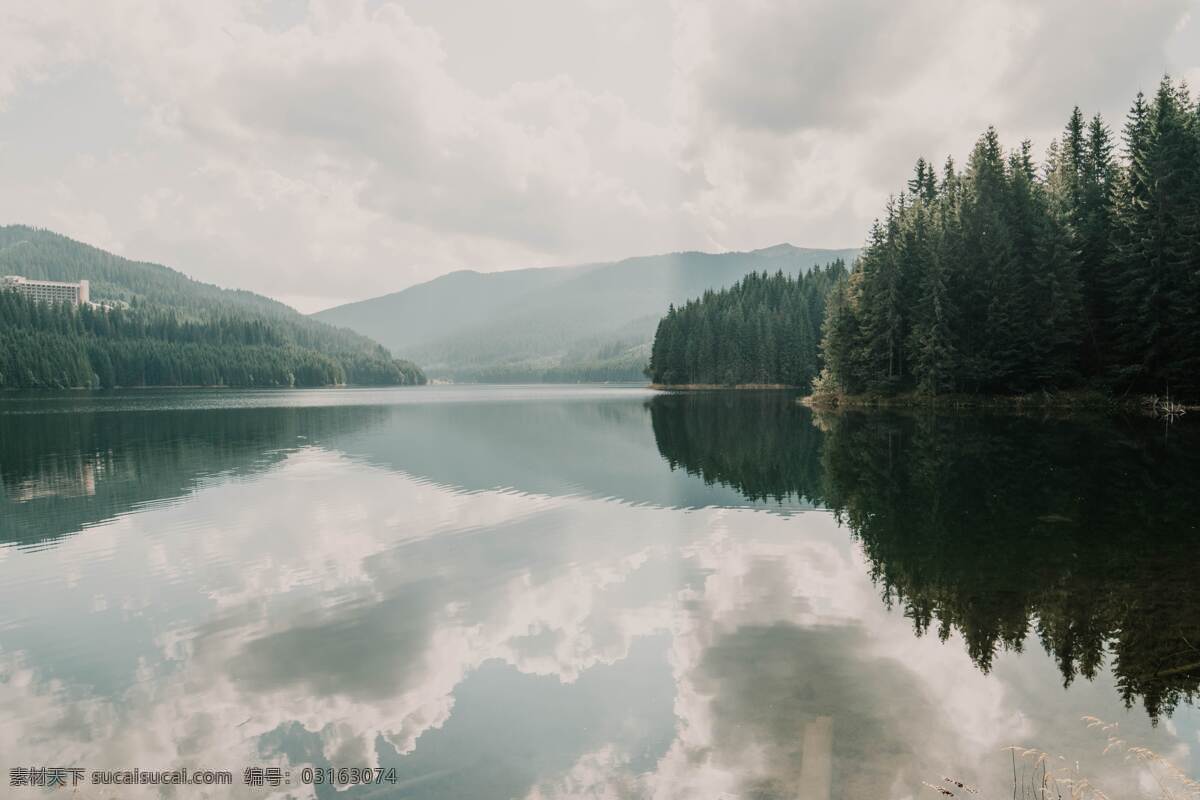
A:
(206, 386)
(708, 387)
(1083, 401)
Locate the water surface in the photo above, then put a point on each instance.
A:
(551, 592)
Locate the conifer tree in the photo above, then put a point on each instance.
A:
(760, 330)
(1156, 232)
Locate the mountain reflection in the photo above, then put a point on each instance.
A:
(60, 473)
(1084, 532)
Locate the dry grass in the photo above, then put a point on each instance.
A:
(1038, 775)
(1164, 407)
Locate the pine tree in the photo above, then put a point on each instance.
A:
(1156, 236)
(760, 330)
(934, 357)
(1091, 220)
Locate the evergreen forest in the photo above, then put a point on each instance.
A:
(164, 329)
(1005, 277)
(765, 329)
(1008, 277)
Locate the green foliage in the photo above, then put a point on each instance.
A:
(1154, 269)
(765, 329)
(1002, 279)
(166, 331)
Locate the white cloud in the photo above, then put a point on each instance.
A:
(289, 150)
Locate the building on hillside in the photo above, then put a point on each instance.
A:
(49, 291)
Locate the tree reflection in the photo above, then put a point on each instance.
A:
(60, 473)
(761, 443)
(1082, 532)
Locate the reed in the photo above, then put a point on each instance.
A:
(1040, 775)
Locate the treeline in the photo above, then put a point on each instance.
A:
(765, 329)
(1008, 278)
(172, 330)
(63, 346)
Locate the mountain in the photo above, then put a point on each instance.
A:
(164, 329)
(585, 322)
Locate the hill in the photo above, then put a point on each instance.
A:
(166, 329)
(584, 322)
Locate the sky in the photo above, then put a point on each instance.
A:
(333, 150)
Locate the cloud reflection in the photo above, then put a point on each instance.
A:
(332, 611)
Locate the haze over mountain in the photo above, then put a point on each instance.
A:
(584, 322)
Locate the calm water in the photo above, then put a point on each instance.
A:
(602, 593)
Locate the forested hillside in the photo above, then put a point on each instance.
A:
(1008, 278)
(765, 329)
(167, 330)
(582, 323)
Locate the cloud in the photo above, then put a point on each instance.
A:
(339, 144)
(350, 621)
(342, 150)
(783, 66)
(804, 116)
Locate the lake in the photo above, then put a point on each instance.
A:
(567, 592)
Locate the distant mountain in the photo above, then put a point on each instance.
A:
(166, 329)
(585, 322)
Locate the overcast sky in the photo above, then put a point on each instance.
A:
(322, 151)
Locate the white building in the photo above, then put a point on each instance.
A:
(48, 291)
